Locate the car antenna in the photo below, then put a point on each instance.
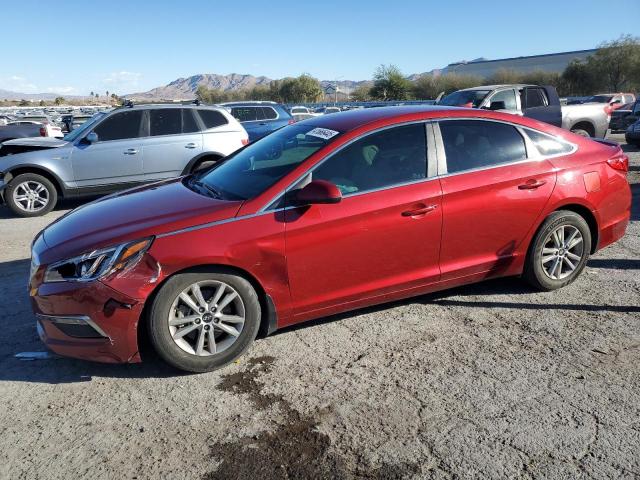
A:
(128, 103)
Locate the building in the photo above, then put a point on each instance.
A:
(551, 62)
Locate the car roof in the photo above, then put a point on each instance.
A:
(248, 103)
(351, 119)
(495, 87)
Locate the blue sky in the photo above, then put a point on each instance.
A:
(73, 47)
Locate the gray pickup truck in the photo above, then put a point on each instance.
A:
(539, 102)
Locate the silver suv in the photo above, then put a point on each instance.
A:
(113, 151)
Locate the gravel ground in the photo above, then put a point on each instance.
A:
(486, 381)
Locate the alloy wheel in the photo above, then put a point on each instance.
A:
(206, 318)
(562, 252)
(31, 196)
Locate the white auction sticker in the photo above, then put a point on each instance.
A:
(323, 133)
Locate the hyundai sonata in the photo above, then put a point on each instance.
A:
(327, 215)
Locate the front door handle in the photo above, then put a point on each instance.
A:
(531, 184)
(130, 151)
(190, 145)
(419, 211)
(264, 124)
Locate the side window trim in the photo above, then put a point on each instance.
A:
(442, 157)
(276, 201)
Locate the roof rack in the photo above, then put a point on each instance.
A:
(128, 104)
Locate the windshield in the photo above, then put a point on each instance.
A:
(465, 98)
(255, 168)
(86, 126)
(599, 99)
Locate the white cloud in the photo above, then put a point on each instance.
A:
(66, 89)
(17, 83)
(122, 82)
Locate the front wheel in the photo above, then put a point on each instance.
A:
(559, 251)
(31, 195)
(202, 321)
(581, 132)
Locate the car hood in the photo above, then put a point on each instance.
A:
(137, 213)
(39, 142)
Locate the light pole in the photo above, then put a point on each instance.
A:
(335, 102)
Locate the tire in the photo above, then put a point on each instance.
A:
(31, 185)
(542, 259)
(189, 352)
(581, 132)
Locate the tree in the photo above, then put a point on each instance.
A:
(618, 63)
(390, 84)
(59, 100)
(24, 103)
(41, 103)
(361, 93)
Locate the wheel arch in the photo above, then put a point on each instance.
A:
(200, 158)
(585, 125)
(13, 172)
(268, 314)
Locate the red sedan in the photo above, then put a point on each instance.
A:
(327, 215)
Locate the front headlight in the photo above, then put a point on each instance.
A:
(97, 264)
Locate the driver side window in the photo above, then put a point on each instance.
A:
(120, 126)
(390, 157)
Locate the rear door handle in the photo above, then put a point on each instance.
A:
(531, 184)
(264, 123)
(190, 145)
(130, 151)
(419, 211)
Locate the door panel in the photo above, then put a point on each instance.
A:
(167, 156)
(491, 197)
(363, 246)
(104, 163)
(488, 213)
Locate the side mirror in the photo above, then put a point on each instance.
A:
(498, 105)
(92, 137)
(616, 102)
(318, 191)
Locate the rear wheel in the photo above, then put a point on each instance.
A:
(31, 195)
(559, 251)
(205, 164)
(202, 321)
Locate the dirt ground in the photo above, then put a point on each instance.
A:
(488, 381)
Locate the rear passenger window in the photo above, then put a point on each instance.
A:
(534, 97)
(165, 121)
(244, 114)
(268, 113)
(120, 126)
(548, 145)
(471, 144)
(212, 118)
(189, 124)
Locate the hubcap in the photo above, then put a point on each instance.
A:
(206, 318)
(31, 196)
(562, 252)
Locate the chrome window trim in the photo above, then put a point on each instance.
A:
(535, 156)
(275, 198)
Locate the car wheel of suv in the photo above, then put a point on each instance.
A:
(559, 251)
(581, 132)
(31, 195)
(202, 321)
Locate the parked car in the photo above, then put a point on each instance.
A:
(50, 129)
(299, 110)
(20, 129)
(376, 205)
(259, 118)
(113, 151)
(612, 100)
(632, 134)
(4, 119)
(326, 110)
(538, 102)
(624, 116)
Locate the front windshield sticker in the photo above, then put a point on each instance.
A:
(323, 133)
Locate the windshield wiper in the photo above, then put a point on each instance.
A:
(212, 191)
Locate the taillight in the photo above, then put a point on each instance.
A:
(43, 132)
(619, 162)
(292, 121)
(245, 141)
